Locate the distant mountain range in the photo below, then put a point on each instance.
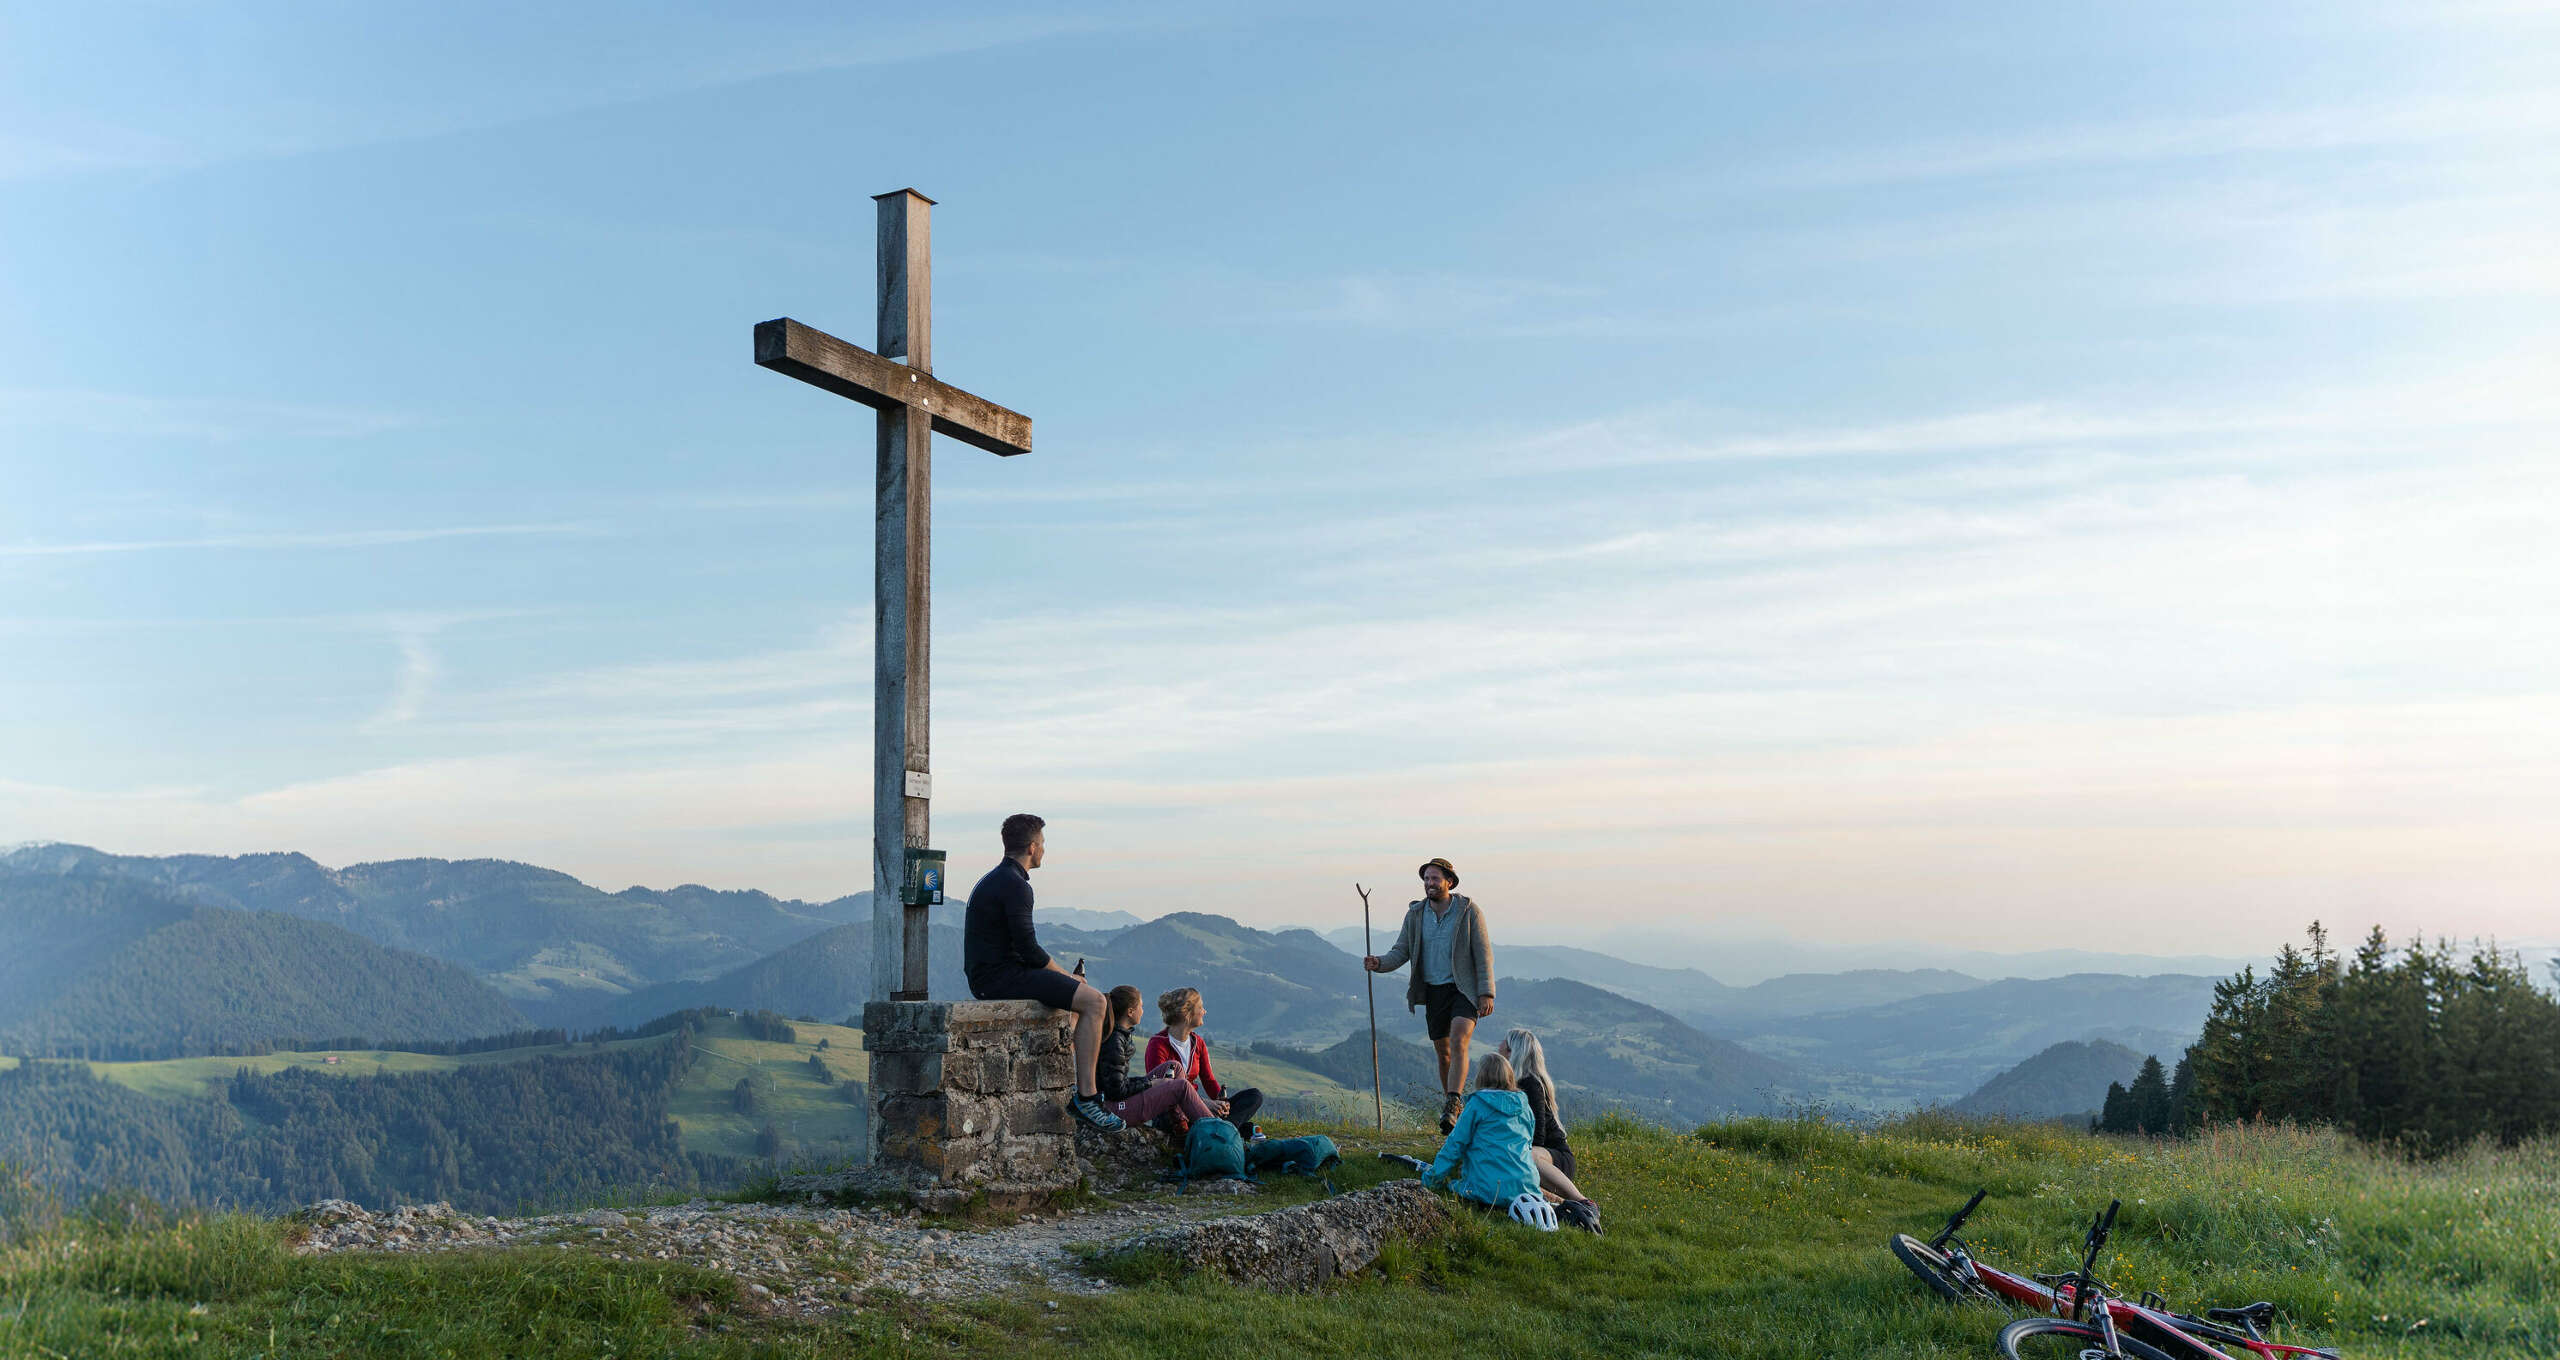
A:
(824, 977)
(1928, 1048)
(2068, 1080)
(124, 968)
(552, 945)
(514, 943)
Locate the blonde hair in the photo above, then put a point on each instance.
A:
(1529, 1059)
(1175, 1004)
(1494, 1074)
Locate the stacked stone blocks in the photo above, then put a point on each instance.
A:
(970, 1098)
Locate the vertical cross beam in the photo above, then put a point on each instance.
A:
(902, 607)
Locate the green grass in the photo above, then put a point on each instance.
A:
(1306, 1094)
(813, 1116)
(188, 1078)
(1758, 1238)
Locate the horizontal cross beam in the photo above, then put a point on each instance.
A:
(821, 360)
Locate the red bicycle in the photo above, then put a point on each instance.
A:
(2081, 1319)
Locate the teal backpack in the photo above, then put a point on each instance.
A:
(1305, 1156)
(1214, 1150)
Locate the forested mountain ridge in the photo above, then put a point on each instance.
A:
(826, 976)
(1607, 1052)
(487, 1138)
(2070, 1078)
(557, 947)
(120, 969)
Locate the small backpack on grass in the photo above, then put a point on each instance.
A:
(1214, 1150)
(1305, 1156)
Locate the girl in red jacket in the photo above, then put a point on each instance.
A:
(1180, 1042)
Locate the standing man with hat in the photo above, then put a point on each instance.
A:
(1444, 937)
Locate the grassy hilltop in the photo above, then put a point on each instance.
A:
(1756, 1238)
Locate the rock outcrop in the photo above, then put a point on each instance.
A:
(1303, 1247)
(1126, 1159)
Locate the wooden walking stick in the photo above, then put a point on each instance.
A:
(1377, 1089)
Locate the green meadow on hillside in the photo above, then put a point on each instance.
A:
(815, 1119)
(186, 1078)
(1759, 1238)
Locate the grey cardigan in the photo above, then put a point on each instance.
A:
(1470, 953)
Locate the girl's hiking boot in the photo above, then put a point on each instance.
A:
(1089, 1112)
(1449, 1112)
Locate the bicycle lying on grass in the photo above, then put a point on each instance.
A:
(2083, 1319)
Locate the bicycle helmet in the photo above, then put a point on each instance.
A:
(1532, 1208)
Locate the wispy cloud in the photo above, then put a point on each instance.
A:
(323, 539)
(2512, 116)
(218, 419)
(275, 111)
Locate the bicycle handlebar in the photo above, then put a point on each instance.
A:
(2099, 1228)
(1948, 1232)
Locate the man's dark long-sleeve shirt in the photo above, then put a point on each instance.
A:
(999, 937)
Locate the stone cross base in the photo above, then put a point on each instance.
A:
(970, 1098)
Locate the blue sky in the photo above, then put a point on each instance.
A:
(1835, 471)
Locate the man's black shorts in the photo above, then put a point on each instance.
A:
(1443, 1002)
(1049, 987)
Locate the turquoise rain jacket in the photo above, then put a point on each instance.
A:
(1489, 1151)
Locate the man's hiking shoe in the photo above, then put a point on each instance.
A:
(1449, 1112)
(1581, 1213)
(1090, 1113)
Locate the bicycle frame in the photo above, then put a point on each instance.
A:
(2189, 1338)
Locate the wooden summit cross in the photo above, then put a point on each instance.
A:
(913, 406)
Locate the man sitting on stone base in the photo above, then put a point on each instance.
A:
(1005, 962)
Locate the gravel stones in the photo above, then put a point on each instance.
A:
(795, 1259)
(1302, 1247)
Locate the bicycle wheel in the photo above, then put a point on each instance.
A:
(2060, 1339)
(1935, 1268)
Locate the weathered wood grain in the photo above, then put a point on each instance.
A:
(848, 370)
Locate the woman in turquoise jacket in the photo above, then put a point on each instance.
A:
(1488, 1148)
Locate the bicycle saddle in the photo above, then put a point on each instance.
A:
(2255, 1314)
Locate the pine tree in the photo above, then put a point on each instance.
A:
(2182, 1096)
(2226, 1075)
(2147, 1100)
(2116, 1116)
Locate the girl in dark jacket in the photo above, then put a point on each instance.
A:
(1139, 1100)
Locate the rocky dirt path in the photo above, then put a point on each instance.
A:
(798, 1259)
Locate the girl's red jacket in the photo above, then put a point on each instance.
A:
(1160, 1052)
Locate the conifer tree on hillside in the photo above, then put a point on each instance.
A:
(2415, 1050)
(2182, 1096)
(2147, 1100)
(2116, 1115)
(2228, 1068)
